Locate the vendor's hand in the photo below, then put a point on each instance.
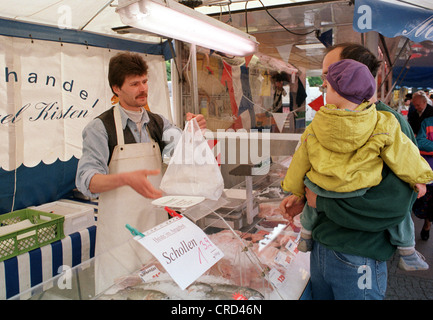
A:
(201, 121)
(291, 206)
(138, 181)
(311, 197)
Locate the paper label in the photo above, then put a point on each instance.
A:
(277, 278)
(282, 259)
(150, 273)
(292, 247)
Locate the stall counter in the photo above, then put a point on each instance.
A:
(23, 272)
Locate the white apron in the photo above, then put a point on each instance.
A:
(116, 253)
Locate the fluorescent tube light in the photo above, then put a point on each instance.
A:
(176, 21)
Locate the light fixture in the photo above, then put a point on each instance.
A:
(176, 21)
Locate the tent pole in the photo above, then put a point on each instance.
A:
(372, 42)
(176, 84)
(99, 11)
(395, 82)
(194, 89)
(391, 67)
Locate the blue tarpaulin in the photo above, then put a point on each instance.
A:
(415, 77)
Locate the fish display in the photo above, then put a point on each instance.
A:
(135, 293)
(240, 274)
(271, 216)
(233, 290)
(248, 255)
(271, 193)
(168, 289)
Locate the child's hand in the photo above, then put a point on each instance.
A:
(311, 198)
(422, 189)
(292, 206)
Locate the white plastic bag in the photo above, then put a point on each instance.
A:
(193, 170)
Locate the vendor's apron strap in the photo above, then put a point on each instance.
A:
(118, 125)
(155, 129)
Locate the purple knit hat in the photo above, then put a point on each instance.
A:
(352, 80)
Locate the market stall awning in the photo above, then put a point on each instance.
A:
(393, 18)
(418, 72)
(410, 19)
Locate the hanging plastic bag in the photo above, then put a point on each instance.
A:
(193, 170)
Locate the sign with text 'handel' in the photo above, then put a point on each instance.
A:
(182, 248)
(49, 91)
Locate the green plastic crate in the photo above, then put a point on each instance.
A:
(46, 228)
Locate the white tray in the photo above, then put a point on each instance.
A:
(181, 202)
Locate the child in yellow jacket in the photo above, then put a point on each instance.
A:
(343, 150)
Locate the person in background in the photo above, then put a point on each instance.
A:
(422, 110)
(403, 109)
(279, 80)
(351, 235)
(423, 207)
(429, 101)
(121, 164)
(343, 150)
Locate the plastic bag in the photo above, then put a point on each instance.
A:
(193, 169)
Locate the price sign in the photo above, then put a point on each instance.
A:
(149, 274)
(182, 248)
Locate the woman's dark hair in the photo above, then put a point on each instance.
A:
(125, 64)
(359, 53)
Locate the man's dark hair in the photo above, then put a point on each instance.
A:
(359, 53)
(280, 77)
(125, 64)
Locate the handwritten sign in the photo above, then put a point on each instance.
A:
(182, 248)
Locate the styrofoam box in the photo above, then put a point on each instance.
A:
(77, 216)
